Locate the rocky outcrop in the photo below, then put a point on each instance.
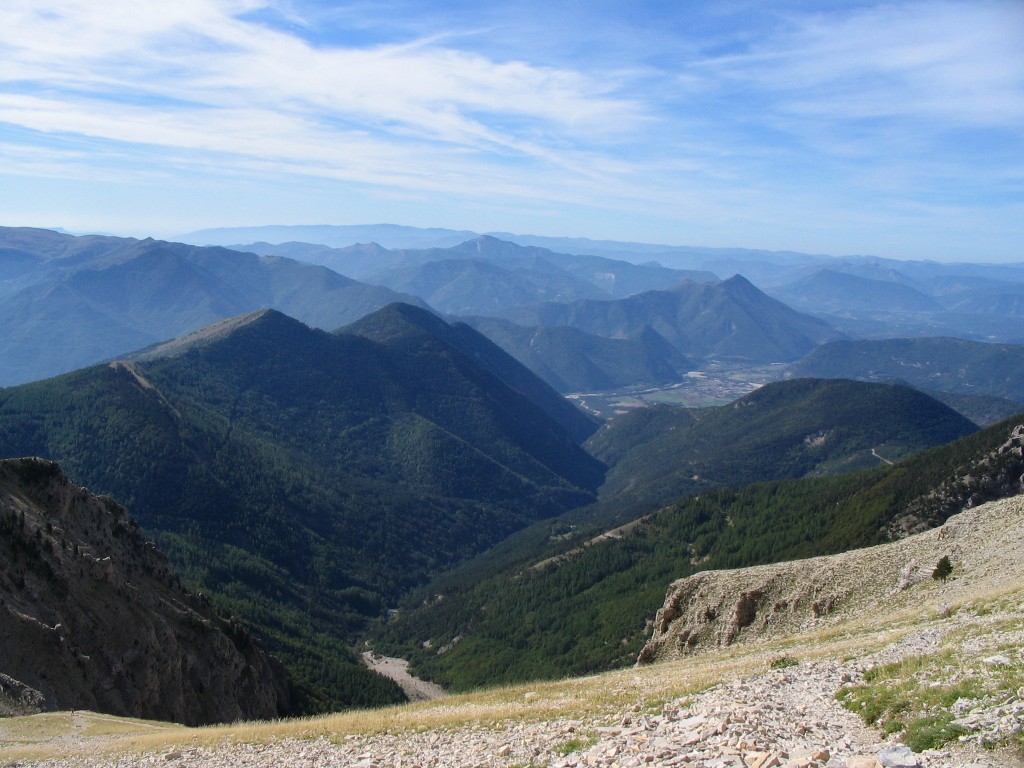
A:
(93, 617)
(713, 609)
(998, 475)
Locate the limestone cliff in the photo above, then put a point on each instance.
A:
(93, 617)
(714, 609)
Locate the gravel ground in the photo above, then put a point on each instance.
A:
(787, 717)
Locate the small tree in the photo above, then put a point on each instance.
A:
(942, 569)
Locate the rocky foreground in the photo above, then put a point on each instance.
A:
(784, 717)
(956, 648)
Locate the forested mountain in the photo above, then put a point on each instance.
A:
(423, 333)
(727, 319)
(571, 360)
(584, 602)
(93, 617)
(305, 480)
(67, 302)
(948, 365)
(787, 429)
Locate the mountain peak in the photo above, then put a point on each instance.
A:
(396, 320)
(262, 318)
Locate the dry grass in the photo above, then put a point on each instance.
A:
(55, 735)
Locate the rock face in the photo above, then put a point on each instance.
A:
(996, 476)
(713, 609)
(93, 617)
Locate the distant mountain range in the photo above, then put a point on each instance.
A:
(70, 301)
(306, 480)
(730, 319)
(483, 273)
(977, 301)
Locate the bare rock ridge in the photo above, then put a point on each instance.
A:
(714, 609)
(93, 617)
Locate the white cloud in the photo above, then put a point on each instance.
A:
(854, 108)
(197, 55)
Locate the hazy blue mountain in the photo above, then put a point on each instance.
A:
(944, 364)
(727, 319)
(546, 274)
(92, 298)
(305, 480)
(357, 261)
(1004, 300)
(334, 236)
(827, 291)
(474, 286)
(571, 360)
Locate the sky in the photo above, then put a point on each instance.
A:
(893, 129)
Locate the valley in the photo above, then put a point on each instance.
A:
(718, 383)
(423, 384)
(482, 466)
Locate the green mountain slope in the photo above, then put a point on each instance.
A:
(412, 327)
(589, 607)
(785, 429)
(571, 360)
(306, 480)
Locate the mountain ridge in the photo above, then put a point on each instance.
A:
(324, 473)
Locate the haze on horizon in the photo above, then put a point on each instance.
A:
(887, 128)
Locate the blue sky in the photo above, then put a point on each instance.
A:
(893, 129)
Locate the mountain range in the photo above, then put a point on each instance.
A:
(878, 298)
(67, 302)
(305, 480)
(484, 273)
(311, 452)
(730, 319)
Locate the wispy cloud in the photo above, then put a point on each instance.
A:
(650, 115)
